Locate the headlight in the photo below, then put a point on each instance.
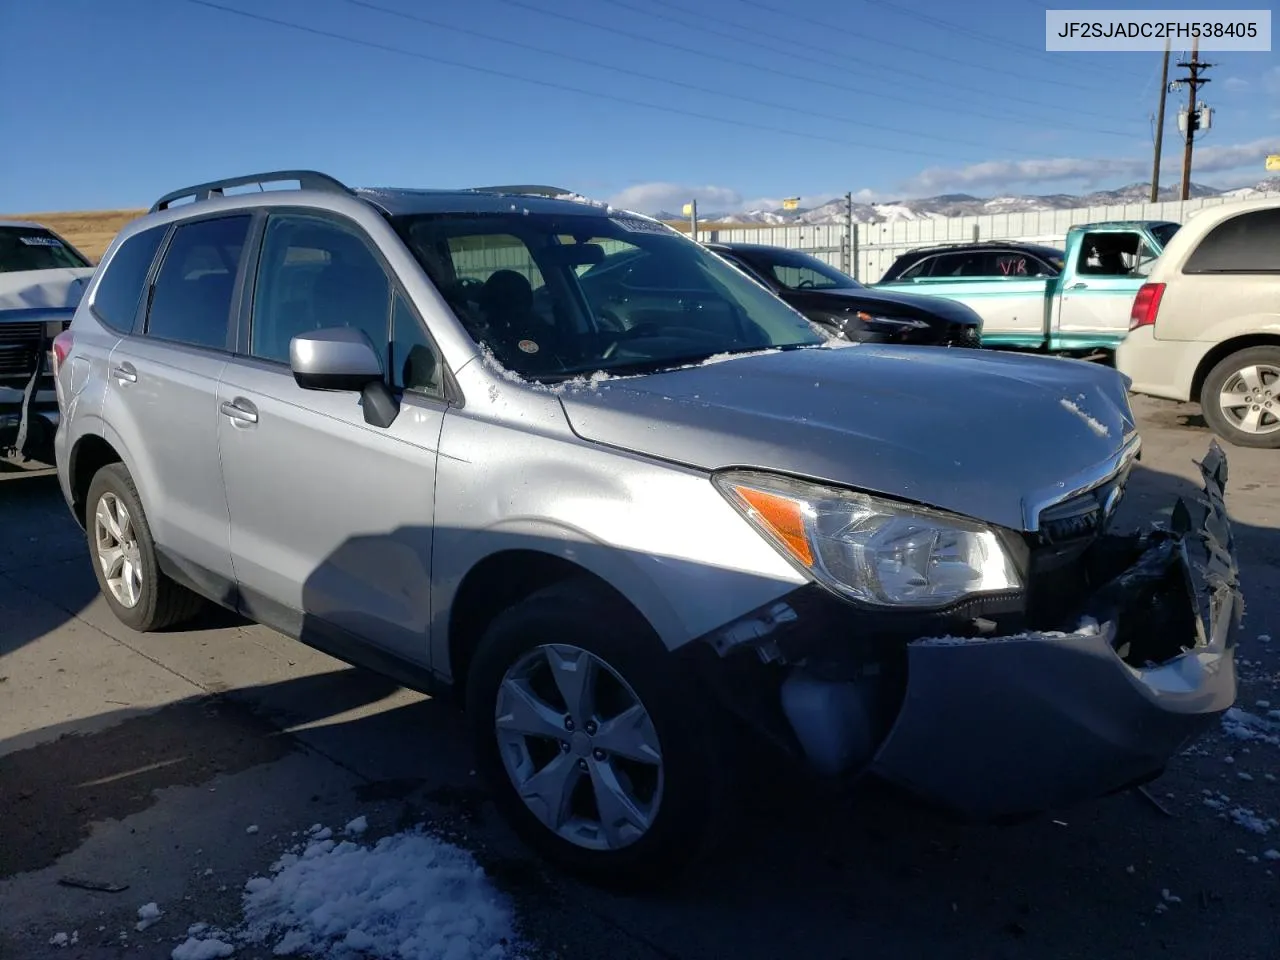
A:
(871, 550)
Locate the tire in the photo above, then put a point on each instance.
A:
(160, 602)
(1225, 422)
(580, 617)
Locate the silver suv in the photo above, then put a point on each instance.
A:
(572, 465)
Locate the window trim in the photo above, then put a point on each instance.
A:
(144, 291)
(449, 394)
(142, 326)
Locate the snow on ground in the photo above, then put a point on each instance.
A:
(1243, 725)
(409, 896)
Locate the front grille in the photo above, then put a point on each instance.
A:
(1085, 515)
(962, 335)
(20, 345)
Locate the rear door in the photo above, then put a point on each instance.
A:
(161, 399)
(331, 517)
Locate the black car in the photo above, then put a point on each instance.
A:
(990, 258)
(837, 301)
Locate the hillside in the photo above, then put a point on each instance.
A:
(91, 231)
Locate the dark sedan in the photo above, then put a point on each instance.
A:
(838, 302)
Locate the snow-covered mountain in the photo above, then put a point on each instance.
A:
(964, 205)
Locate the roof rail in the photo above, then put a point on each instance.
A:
(307, 180)
(531, 190)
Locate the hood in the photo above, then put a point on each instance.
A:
(978, 433)
(904, 305)
(59, 289)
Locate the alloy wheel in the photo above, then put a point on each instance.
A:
(1250, 399)
(580, 747)
(117, 549)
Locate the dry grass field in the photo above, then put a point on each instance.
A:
(91, 231)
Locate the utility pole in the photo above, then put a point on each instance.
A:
(1164, 89)
(693, 219)
(848, 233)
(1194, 82)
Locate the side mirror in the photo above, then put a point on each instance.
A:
(342, 358)
(338, 358)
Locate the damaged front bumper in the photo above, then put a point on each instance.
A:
(993, 727)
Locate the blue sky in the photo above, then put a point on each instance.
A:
(115, 102)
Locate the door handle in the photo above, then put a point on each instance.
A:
(1078, 286)
(125, 373)
(240, 410)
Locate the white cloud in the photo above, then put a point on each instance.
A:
(1002, 174)
(1236, 84)
(671, 197)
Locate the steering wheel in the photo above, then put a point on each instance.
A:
(803, 284)
(467, 285)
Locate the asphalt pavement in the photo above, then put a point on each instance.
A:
(138, 763)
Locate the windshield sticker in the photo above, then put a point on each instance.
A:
(636, 225)
(40, 241)
(528, 346)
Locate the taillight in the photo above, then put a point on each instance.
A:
(61, 348)
(1146, 305)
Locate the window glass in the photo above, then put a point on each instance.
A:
(115, 302)
(191, 301)
(624, 294)
(1247, 243)
(801, 271)
(34, 248)
(415, 366)
(920, 268)
(314, 274)
(1109, 254)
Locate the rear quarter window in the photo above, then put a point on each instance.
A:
(115, 302)
(1247, 243)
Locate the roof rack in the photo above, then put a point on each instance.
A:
(947, 244)
(531, 190)
(307, 180)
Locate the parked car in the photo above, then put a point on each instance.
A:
(1205, 327)
(837, 301)
(986, 258)
(455, 437)
(41, 279)
(1081, 310)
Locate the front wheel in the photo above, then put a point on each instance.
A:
(1241, 398)
(597, 752)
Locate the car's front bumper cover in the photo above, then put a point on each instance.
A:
(1005, 726)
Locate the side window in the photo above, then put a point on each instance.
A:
(958, 265)
(1108, 254)
(1010, 263)
(415, 366)
(314, 274)
(1247, 243)
(191, 300)
(796, 278)
(918, 269)
(115, 302)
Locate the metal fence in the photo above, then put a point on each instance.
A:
(876, 245)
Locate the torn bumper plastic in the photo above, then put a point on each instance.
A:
(1010, 726)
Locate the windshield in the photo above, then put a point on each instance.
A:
(34, 248)
(794, 270)
(558, 296)
(1164, 232)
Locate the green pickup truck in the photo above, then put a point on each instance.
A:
(1082, 310)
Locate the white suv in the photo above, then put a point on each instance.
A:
(1206, 325)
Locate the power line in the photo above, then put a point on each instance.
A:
(843, 64)
(964, 29)
(617, 31)
(657, 78)
(551, 84)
